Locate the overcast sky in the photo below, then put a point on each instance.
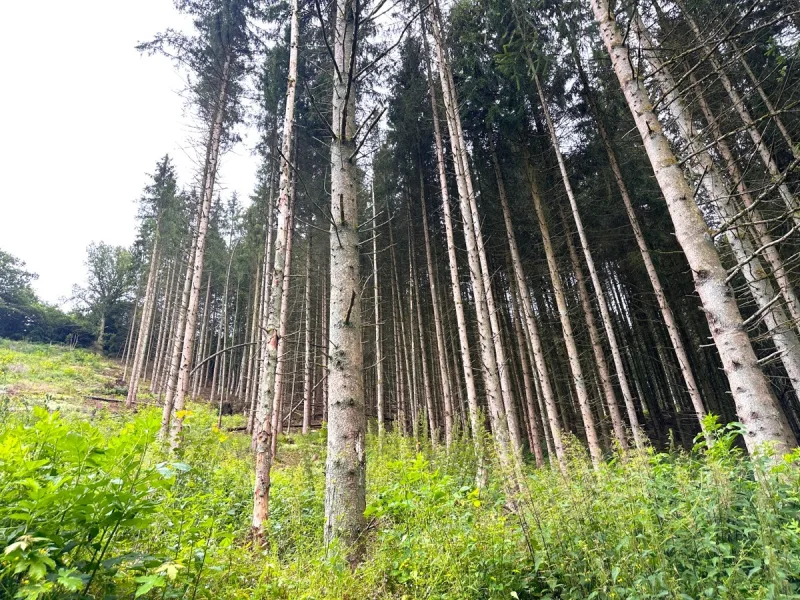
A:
(86, 117)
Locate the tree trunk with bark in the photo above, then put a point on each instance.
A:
(757, 408)
(263, 429)
(143, 338)
(345, 466)
(207, 190)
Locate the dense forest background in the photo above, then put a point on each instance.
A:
(527, 230)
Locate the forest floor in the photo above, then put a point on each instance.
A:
(91, 506)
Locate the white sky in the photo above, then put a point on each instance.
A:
(86, 117)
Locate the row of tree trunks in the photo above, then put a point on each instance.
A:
(756, 407)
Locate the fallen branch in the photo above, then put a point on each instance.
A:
(104, 399)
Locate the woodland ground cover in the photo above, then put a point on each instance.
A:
(91, 505)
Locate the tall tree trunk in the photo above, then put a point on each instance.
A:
(379, 397)
(605, 317)
(447, 395)
(400, 365)
(748, 263)
(345, 466)
(147, 315)
(266, 299)
(283, 323)
(171, 374)
(412, 331)
(529, 388)
(531, 328)
(212, 161)
(308, 373)
(174, 306)
(405, 360)
(455, 283)
(163, 328)
(203, 341)
(507, 448)
(756, 407)
(325, 338)
(594, 339)
(132, 331)
(573, 356)
(666, 312)
(263, 429)
(223, 333)
(423, 345)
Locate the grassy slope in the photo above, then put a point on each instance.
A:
(36, 371)
(95, 504)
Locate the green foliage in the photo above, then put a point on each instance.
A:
(67, 494)
(24, 316)
(97, 508)
(110, 280)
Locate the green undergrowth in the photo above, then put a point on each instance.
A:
(53, 372)
(94, 507)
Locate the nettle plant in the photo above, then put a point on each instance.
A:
(68, 497)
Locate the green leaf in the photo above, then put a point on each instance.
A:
(148, 582)
(33, 591)
(69, 579)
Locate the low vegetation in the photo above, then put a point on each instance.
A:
(92, 506)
